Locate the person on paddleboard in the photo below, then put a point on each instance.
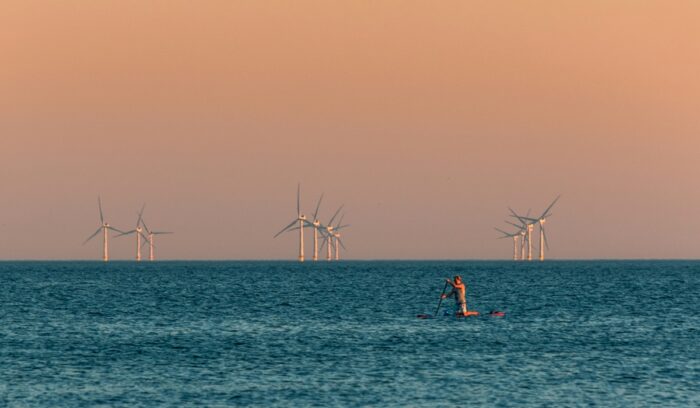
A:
(459, 291)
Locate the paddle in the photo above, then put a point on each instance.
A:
(427, 316)
(440, 302)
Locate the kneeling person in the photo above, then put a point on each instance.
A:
(459, 291)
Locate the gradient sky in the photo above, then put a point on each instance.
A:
(426, 119)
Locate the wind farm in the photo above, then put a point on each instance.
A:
(329, 234)
(104, 228)
(524, 232)
(138, 231)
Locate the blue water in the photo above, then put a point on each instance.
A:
(78, 334)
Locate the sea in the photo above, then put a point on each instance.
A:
(325, 334)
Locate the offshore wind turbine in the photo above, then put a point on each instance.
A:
(541, 220)
(316, 224)
(327, 231)
(528, 224)
(336, 235)
(523, 235)
(139, 233)
(332, 239)
(151, 235)
(104, 226)
(515, 237)
(301, 219)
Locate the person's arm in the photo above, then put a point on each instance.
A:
(452, 293)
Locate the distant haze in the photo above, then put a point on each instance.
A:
(426, 119)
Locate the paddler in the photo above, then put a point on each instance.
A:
(459, 291)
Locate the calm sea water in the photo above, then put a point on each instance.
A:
(210, 334)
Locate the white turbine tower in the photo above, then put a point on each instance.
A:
(327, 232)
(523, 234)
(336, 235)
(316, 224)
(332, 238)
(541, 220)
(515, 237)
(301, 219)
(151, 236)
(104, 226)
(139, 233)
(528, 225)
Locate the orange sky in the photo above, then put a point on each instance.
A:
(427, 119)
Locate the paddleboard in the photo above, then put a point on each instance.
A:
(469, 313)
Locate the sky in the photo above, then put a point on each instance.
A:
(425, 119)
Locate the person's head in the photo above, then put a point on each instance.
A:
(458, 279)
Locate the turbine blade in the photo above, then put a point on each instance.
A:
(144, 225)
(544, 214)
(318, 205)
(162, 232)
(306, 223)
(140, 214)
(502, 232)
(99, 205)
(341, 244)
(126, 233)
(116, 230)
(340, 221)
(341, 227)
(517, 216)
(286, 228)
(525, 220)
(92, 236)
(544, 234)
(144, 237)
(335, 215)
(515, 225)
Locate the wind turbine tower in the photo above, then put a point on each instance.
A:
(523, 235)
(301, 219)
(104, 226)
(336, 235)
(329, 234)
(530, 227)
(541, 220)
(316, 224)
(515, 237)
(150, 239)
(139, 233)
